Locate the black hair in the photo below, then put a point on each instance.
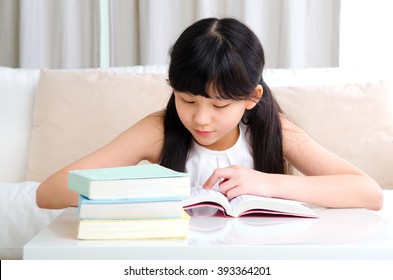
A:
(226, 55)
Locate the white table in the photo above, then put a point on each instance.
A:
(337, 234)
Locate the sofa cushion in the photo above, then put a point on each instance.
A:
(17, 88)
(354, 121)
(78, 111)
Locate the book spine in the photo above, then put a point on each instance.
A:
(79, 184)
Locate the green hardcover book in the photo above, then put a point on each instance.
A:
(149, 181)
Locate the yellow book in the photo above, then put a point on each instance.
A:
(134, 228)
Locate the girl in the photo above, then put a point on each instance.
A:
(223, 126)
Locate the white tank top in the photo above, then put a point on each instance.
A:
(201, 162)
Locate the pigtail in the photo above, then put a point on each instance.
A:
(177, 139)
(264, 126)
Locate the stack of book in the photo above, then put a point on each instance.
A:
(131, 202)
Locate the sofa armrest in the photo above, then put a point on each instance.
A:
(20, 219)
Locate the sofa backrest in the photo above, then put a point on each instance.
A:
(77, 111)
(17, 88)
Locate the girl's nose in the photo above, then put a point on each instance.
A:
(202, 116)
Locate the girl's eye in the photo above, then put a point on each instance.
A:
(221, 106)
(188, 101)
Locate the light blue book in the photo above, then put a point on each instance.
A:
(148, 181)
(128, 209)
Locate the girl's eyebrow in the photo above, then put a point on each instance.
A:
(186, 94)
(213, 97)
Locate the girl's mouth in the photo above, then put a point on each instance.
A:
(203, 133)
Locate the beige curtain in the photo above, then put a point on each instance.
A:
(9, 33)
(50, 33)
(68, 33)
(294, 33)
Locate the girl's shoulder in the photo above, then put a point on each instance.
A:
(146, 138)
(151, 126)
(290, 128)
(295, 139)
(156, 119)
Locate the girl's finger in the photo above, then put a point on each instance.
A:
(217, 175)
(234, 192)
(226, 185)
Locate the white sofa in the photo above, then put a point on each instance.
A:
(49, 118)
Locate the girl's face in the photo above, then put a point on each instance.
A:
(212, 122)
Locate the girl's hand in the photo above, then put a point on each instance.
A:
(237, 180)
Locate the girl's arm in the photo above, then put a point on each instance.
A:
(143, 141)
(329, 180)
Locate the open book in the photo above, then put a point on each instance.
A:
(246, 204)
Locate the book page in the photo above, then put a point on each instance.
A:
(201, 192)
(238, 201)
(207, 196)
(245, 203)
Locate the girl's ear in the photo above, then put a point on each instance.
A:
(255, 97)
